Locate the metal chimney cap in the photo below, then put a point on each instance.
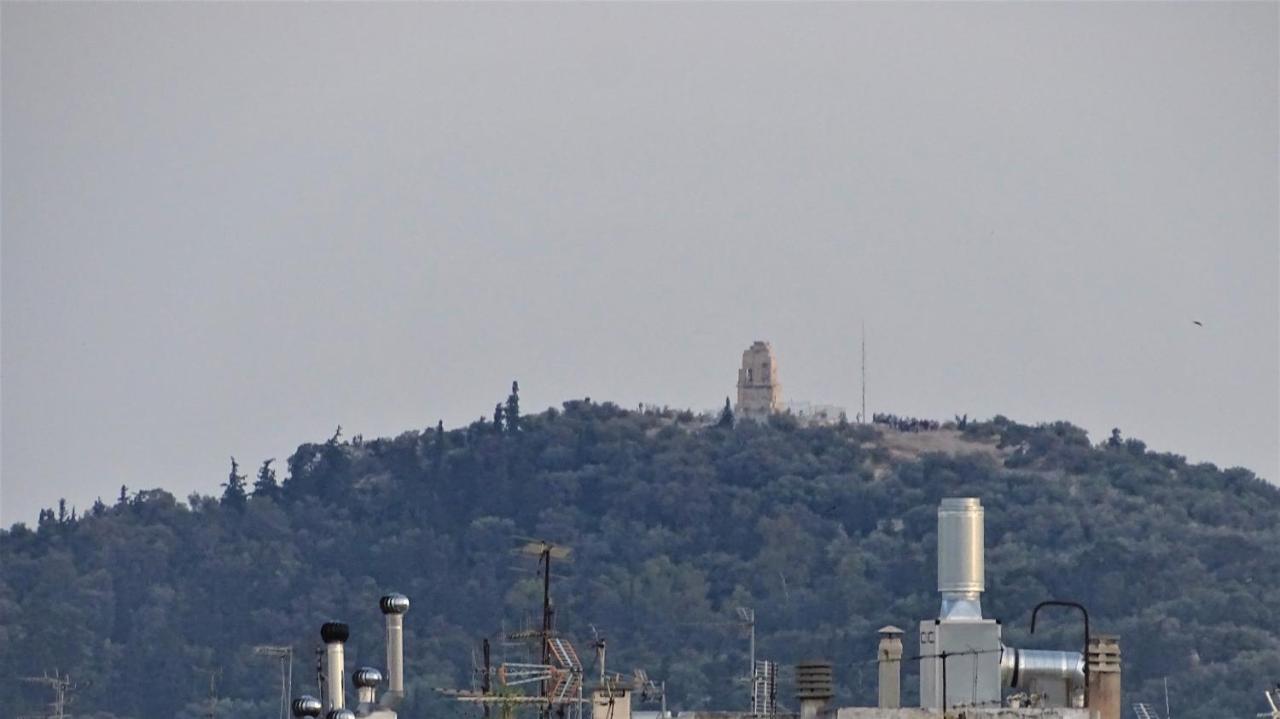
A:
(340, 714)
(332, 632)
(306, 706)
(890, 631)
(394, 604)
(366, 677)
(960, 503)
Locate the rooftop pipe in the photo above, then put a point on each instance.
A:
(334, 635)
(393, 608)
(961, 566)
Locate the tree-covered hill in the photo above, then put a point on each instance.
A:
(674, 521)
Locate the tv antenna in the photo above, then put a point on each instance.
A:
(285, 655)
(1273, 698)
(598, 643)
(1142, 710)
(545, 551)
(62, 687)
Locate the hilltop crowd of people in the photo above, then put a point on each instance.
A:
(905, 424)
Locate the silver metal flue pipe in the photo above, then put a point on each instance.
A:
(393, 608)
(1019, 668)
(961, 565)
(334, 634)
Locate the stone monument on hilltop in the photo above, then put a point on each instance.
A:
(759, 391)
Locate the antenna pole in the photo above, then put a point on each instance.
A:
(1166, 698)
(546, 603)
(484, 678)
(546, 620)
(862, 416)
(213, 690)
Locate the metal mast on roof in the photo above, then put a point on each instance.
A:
(285, 655)
(61, 686)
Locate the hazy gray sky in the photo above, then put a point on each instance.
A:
(228, 228)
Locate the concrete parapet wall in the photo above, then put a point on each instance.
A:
(993, 713)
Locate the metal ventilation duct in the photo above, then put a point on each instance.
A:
(1022, 667)
(961, 567)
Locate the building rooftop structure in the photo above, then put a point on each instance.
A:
(759, 388)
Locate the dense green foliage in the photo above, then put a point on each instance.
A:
(674, 521)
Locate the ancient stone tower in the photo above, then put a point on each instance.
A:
(759, 391)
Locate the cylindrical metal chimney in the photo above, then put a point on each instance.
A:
(961, 569)
(334, 635)
(813, 687)
(1104, 676)
(306, 706)
(393, 608)
(890, 659)
(366, 680)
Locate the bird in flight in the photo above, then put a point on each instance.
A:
(1197, 323)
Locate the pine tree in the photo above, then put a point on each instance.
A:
(62, 511)
(438, 446)
(726, 415)
(234, 495)
(497, 418)
(99, 508)
(124, 496)
(513, 408)
(266, 484)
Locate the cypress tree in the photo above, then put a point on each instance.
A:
(234, 495)
(726, 415)
(437, 447)
(513, 408)
(266, 484)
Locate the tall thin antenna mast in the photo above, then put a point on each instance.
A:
(862, 416)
